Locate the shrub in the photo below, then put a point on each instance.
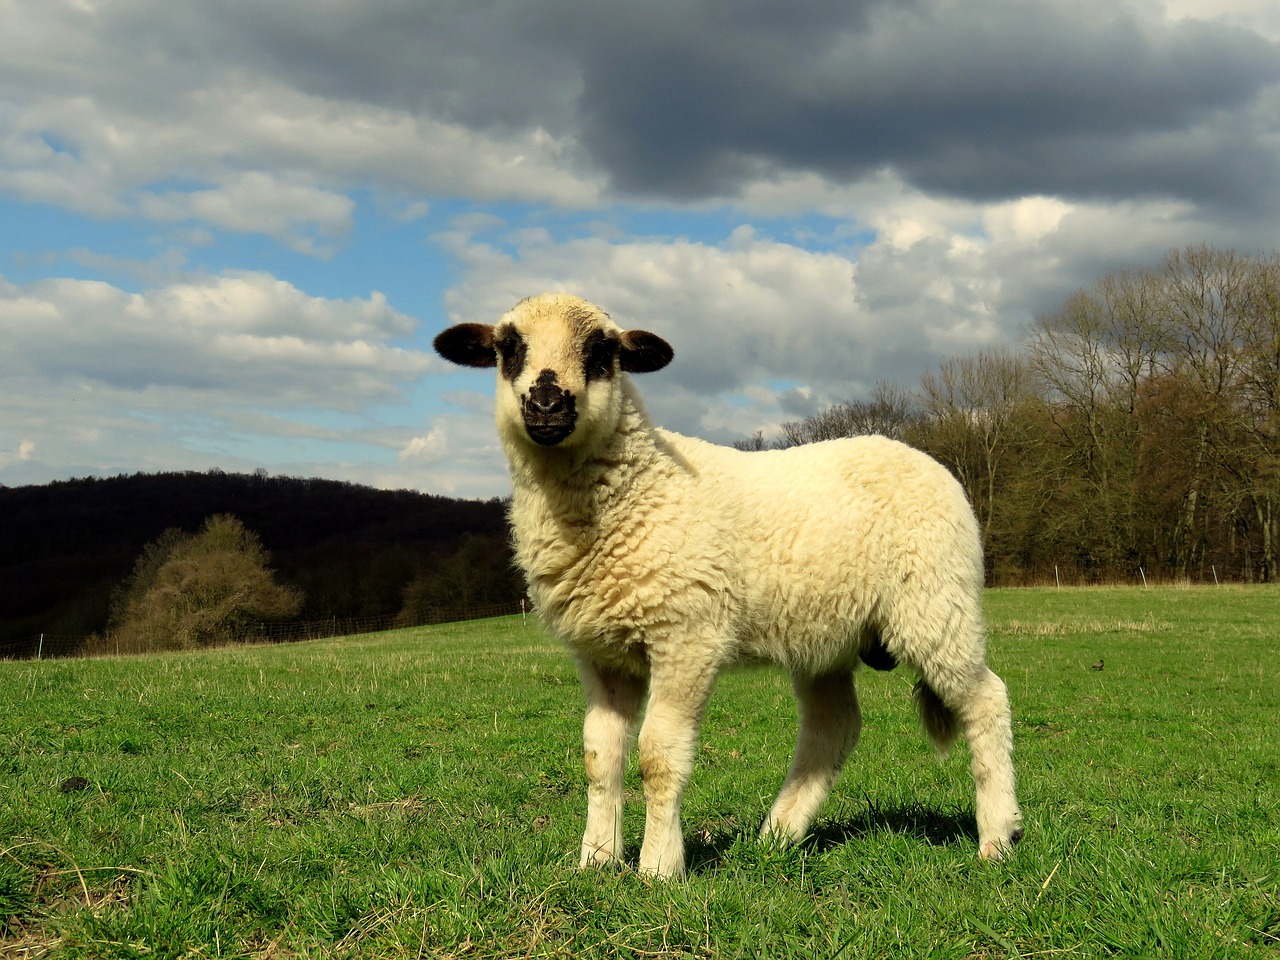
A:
(199, 590)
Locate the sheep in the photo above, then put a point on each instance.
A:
(659, 559)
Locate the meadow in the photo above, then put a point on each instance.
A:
(420, 794)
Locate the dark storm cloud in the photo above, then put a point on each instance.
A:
(692, 99)
(475, 62)
(982, 99)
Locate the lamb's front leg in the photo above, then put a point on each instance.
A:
(613, 703)
(668, 741)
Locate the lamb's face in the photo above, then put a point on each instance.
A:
(559, 361)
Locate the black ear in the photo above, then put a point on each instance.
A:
(644, 352)
(468, 345)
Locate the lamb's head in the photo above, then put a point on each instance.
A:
(559, 360)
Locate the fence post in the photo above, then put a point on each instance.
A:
(40, 648)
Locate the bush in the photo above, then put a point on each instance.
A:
(199, 590)
(478, 573)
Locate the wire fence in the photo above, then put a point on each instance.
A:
(48, 646)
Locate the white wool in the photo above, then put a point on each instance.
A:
(660, 559)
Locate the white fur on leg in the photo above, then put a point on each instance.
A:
(988, 729)
(613, 703)
(662, 853)
(668, 740)
(830, 723)
(666, 759)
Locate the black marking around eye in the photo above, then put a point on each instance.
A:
(598, 354)
(512, 349)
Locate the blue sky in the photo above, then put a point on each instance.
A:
(233, 230)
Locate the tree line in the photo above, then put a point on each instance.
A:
(81, 557)
(1134, 428)
(216, 586)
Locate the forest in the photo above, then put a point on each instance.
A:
(1132, 433)
(70, 550)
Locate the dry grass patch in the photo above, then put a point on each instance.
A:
(1080, 625)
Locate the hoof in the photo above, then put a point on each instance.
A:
(991, 850)
(661, 876)
(596, 857)
(773, 836)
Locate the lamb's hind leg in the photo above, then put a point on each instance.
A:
(830, 723)
(980, 707)
(988, 728)
(613, 704)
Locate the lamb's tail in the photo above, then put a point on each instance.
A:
(940, 721)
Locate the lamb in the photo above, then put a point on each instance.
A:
(660, 559)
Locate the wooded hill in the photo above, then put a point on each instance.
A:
(352, 551)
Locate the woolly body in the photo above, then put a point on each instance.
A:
(659, 559)
(797, 557)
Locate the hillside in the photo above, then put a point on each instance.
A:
(352, 550)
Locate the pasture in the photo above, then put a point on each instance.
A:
(420, 794)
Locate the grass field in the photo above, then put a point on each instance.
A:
(420, 793)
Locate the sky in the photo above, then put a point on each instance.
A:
(231, 229)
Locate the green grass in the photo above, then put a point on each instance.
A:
(420, 794)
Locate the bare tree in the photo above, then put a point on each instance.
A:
(1250, 450)
(890, 411)
(1205, 307)
(973, 405)
(1091, 359)
(1139, 425)
(753, 443)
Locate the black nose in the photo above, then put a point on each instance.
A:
(548, 411)
(546, 399)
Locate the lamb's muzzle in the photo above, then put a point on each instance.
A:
(549, 411)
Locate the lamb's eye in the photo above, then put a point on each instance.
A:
(513, 349)
(600, 353)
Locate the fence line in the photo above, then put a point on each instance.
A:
(50, 645)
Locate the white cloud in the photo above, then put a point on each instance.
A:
(300, 215)
(930, 279)
(209, 371)
(429, 448)
(205, 121)
(264, 157)
(737, 309)
(102, 105)
(460, 454)
(245, 334)
(1260, 16)
(744, 312)
(22, 454)
(412, 211)
(1026, 220)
